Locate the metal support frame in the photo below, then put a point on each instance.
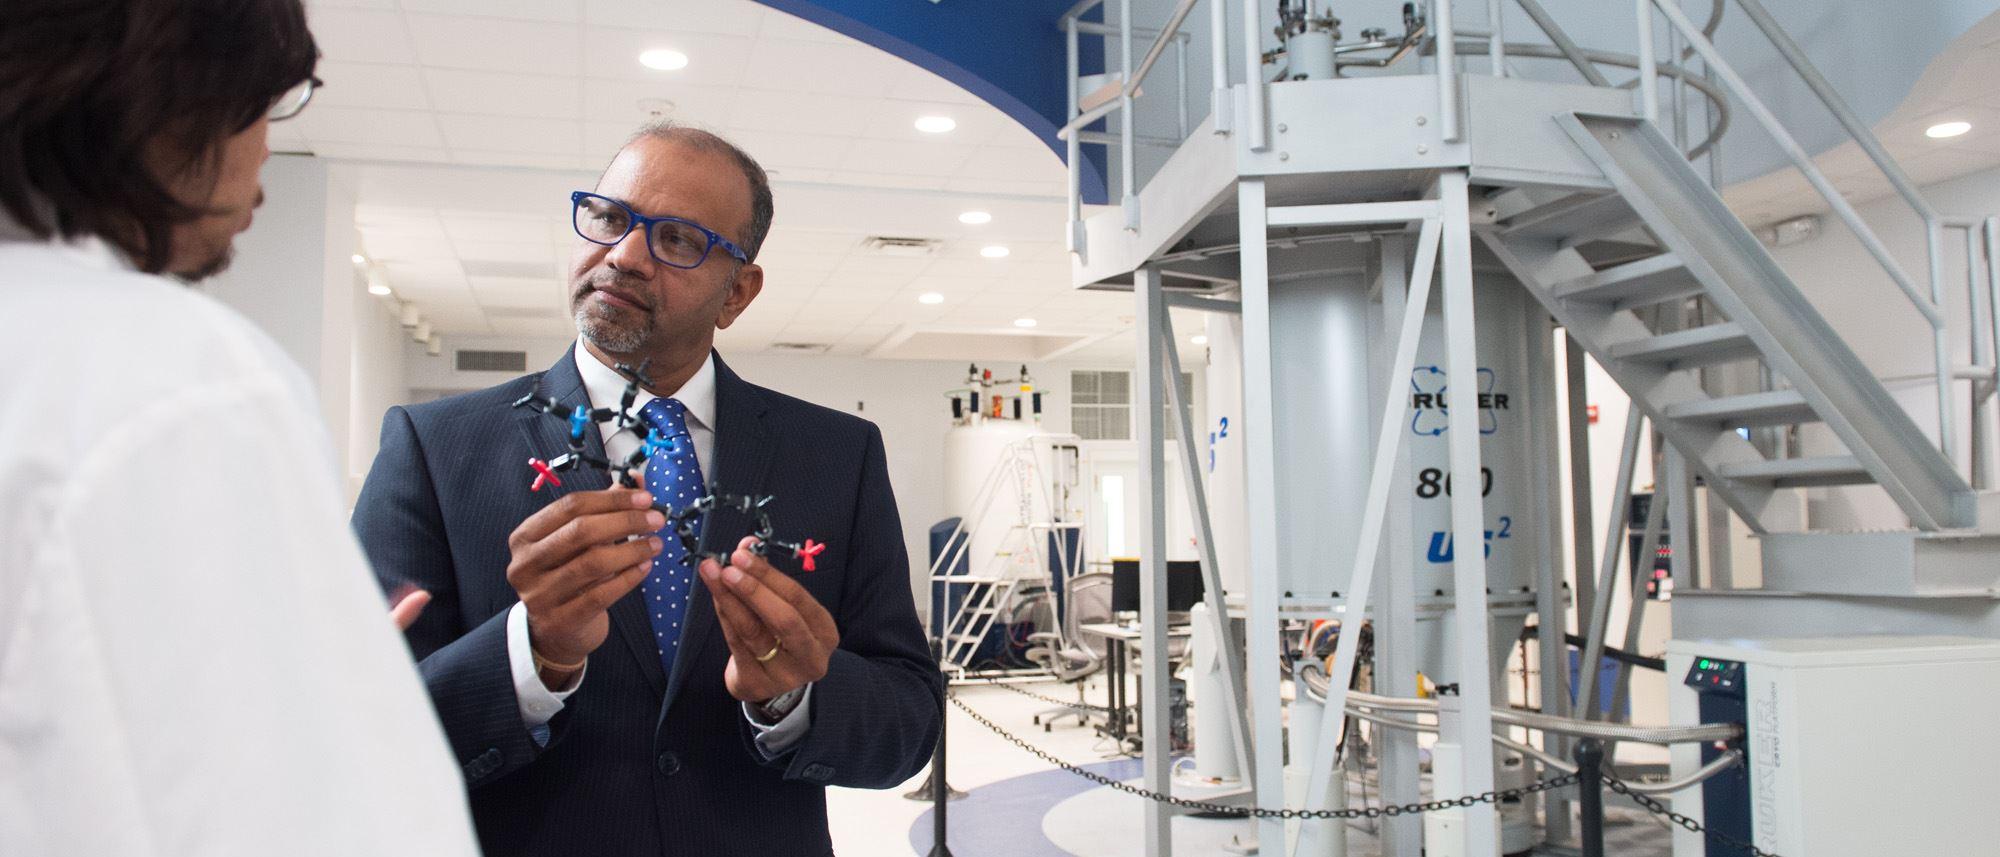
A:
(1396, 608)
(1157, 759)
(1211, 570)
(1259, 132)
(1261, 499)
(1388, 443)
(1468, 516)
(1219, 108)
(1553, 651)
(1635, 608)
(1607, 576)
(1450, 126)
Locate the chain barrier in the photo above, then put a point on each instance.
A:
(1693, 826)
(1391, 811)
(1083, 706)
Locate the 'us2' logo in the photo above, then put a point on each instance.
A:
(1431, 413)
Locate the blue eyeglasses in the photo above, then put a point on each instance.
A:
(673, 241)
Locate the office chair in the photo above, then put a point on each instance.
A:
(1070, 655)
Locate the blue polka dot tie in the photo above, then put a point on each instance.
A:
(674, 478)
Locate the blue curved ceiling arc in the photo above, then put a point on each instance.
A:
(1008, 54)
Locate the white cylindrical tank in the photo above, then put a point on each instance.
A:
(1223, 439)
(1214, 751)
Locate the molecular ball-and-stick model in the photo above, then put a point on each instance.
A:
(685, 521)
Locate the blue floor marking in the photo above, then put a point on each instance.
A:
(1004, 819)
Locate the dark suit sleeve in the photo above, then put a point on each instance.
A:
(875, 715)
(471, 683)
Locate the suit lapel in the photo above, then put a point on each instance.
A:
(743, 452)
(548, 436)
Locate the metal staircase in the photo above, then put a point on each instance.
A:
(1706, 251)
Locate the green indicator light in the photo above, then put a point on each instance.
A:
(1704, 663)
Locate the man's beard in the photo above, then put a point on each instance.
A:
(609, 335)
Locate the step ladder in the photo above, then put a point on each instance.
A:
(1703, 249)
(1020, 554)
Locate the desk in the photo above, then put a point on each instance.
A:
(1118, 637)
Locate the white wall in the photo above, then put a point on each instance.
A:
(379, 380)
(292, 277)
(1865, 307)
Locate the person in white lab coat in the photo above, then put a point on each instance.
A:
(194, 659)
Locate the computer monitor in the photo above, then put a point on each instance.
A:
(1184, 585)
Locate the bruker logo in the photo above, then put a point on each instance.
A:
(1431, 412)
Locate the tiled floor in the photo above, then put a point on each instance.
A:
(1021, 807)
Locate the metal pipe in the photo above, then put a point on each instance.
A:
(1219, 109)
(1447, 70)
(1092, 28)
(1990, 243)
(1981, 358)
(1649, 84)
(1074, 151)
(1941, 347)
(1496, 41)
(1180, 75)
(1089, 116)
(1076, 11)
(1563, 42)
(1607, 575)
(1128, 169)
(1253, 77)
(1803, 161)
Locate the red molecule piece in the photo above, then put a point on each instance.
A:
(812, 549)
(547, 475)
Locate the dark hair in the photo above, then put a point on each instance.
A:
(105, 104)
(762, 209)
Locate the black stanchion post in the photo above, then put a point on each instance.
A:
(1590, 795)
(940, 787)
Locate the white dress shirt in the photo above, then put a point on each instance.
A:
(194, 659)
(606, 389)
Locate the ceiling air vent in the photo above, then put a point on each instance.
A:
(887, 245)
(491, 361)
(802, 347)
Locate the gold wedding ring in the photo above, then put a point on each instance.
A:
(767, 656)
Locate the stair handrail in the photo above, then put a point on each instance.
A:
(1932, 307)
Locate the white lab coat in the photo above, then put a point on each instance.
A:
(194, 659)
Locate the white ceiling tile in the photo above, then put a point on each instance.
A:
(519, 292)
(494, 44)
(907, 158)
(814, 66)
(363, 125)
(512, 134)
(780, 149)
(834, 243)
(375, 85)
(539, 327)
(800, 175)
(1010, 164)
(631, 102)
(713, 60)
(1052, 190)
(433, 273)
(792, 110)
(499, 94)
(700, 16)
(896, 119)
(602, 140)
(533, 10)
(360, 35)
(402, 247)
(387, 155)
(782, 25)
(313, 5)
(861, 179)
(489, 250)
(482, 229)
(915, 83)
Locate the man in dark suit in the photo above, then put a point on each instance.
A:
(731, 695)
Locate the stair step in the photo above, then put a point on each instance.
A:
(1775, 408)
(1656, 280)
(1800, 472)
(1701, 346)
(967, 579)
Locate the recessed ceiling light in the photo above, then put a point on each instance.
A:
(378, 289)
(930, 298)
(1199, 339)
(994, 252)
(359, 259)
(936, 124)
(1024, 322)
(975, 218)
(664, 59)
(1947, 129)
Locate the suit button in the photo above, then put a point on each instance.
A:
(668, 763)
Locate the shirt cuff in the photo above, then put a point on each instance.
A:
(538, 704)
(776, 738)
